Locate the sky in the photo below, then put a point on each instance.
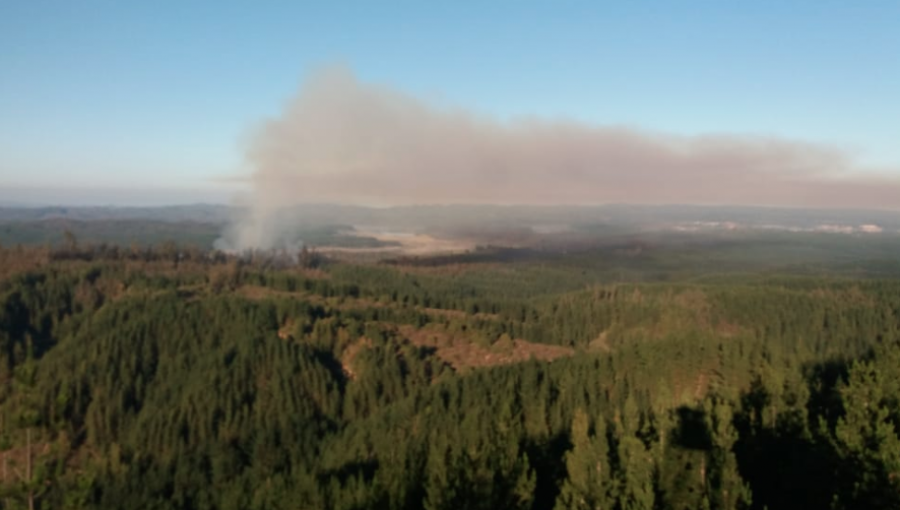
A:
(155, 102)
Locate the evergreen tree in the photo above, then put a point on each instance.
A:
(867, 435)
(589, 482)
(635, 471)
(726, 488)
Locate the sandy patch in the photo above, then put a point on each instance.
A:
(409, 243)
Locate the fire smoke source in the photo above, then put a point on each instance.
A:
(343, 141)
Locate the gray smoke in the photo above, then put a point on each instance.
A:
(343, 141)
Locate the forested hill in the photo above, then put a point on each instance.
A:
(184, 379)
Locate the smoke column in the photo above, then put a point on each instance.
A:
(343, 141)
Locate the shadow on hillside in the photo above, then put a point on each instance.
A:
(804, 471)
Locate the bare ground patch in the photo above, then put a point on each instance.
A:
(463, 354)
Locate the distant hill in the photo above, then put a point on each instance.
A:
(516, 225)
(202, 213)
(435, 216)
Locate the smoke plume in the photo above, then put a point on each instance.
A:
(343, 141)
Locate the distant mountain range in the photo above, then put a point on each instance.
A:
(203, 213)
(491, 216)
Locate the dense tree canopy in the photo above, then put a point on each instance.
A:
(169, 378)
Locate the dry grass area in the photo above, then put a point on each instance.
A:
(601, 343)
(457, 314)
(458, 350)
(409, 244)
(460, 353)
(463, 354)
(258, 292)
(350, 354)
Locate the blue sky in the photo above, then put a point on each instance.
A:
(98, 97)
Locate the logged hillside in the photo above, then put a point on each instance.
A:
(170, 378)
